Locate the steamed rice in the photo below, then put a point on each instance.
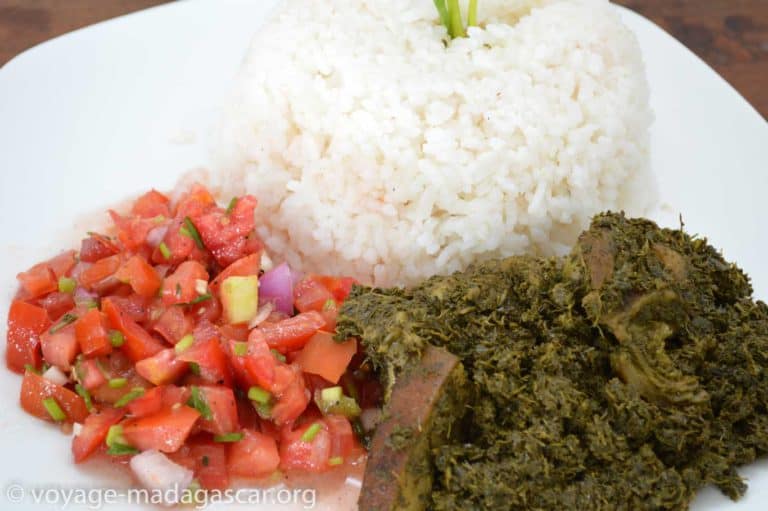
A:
(380, 152)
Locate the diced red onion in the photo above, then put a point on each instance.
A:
(276, 286)
(54, 375)
(156, 235)
(82, 295)
(78, 269)
(155, 471)
(262, 314)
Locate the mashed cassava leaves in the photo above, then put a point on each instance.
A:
(626, 375)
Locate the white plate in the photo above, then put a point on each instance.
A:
(91, 117)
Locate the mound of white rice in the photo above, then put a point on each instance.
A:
(379, 151)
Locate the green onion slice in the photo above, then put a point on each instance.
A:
(229, 437)
(259, 395)
(83, 393)
(65, 320)
(164, 250)
(184, 343)
(241, 349)
(116, 338)
(134, 393)
(311, 432)
(190, 231)
(67, 285)
(198, 402)
(54, 410)
(231, 205)
(117, 383)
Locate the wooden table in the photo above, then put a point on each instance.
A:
(730, 35)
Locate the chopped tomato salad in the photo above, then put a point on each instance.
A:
(173, 333)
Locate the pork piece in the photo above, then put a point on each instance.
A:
(427, 402)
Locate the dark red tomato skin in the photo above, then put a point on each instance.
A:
(94, 432)
(35, 388)
(25, 324)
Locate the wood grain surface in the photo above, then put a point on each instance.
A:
(730, 35)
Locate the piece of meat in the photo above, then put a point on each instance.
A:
(427, 403)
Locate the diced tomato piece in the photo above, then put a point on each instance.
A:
(63, 263)
(35, 388)
(156, 399)
(151, 402)
(152, 204)
(259, 363)
(230, 237)
(94, 432)
(180, 287)
(293, 333)
(165, 430)
(89, 374)
(343, 441)
(221, 403)
(291, 402)
(310, 295)
(100, 271)
(211, 360)
(57, 304)
(312, 456)
(340, 287)
(142, 277)
(25, 324)
(179, 246)
(195, 202)
(132, 231)
(96, 247)
(162, 367)
(254, 456)
(38, 280)
(135, 306)
(60, 348)
(92, 335)
(210, 463)
(325, 357)
(234, 332)
(248, 265)
(138, 343)
(208, 310)
(173, 324)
